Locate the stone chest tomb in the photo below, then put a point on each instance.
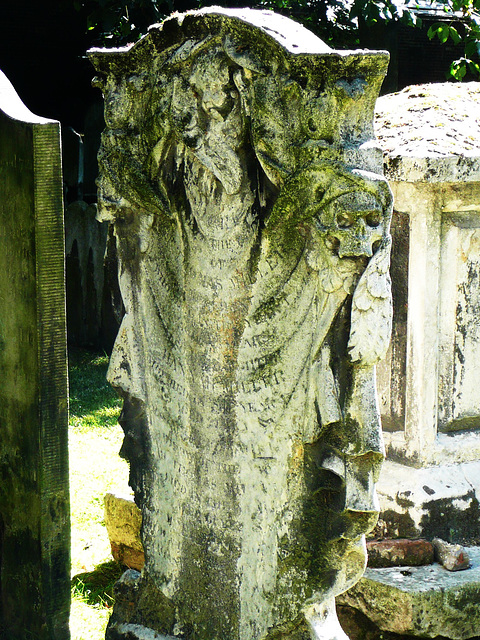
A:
(239, 168)
(428, 383)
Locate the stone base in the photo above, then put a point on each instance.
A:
(358, 627)
(136, 608)
(424, 601)
(433, 502)
(134, 632)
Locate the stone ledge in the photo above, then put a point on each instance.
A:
(450, 169)
(429, 133)
(431, 502)
(135, 632)
(424, 601)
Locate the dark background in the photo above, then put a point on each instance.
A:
(43, 45)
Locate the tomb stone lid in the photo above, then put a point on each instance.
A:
(431, 133)
(291, 35)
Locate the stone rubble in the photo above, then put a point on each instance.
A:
(426, 601)
(123, 520)
(453, 557)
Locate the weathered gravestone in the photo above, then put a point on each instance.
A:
(240, 171)
(34, 502)
(85, 247)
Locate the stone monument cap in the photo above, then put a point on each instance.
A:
(431, 132)
(289, 34)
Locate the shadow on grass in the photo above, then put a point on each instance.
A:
(96, 587)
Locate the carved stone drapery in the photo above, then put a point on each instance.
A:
(239, 168)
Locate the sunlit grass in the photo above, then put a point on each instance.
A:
(87, 622)
(95, 468)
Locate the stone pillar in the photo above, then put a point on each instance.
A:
(240, 171)
(429, 386)
(34, 500)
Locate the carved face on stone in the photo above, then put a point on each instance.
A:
(122, 94)
(203, 99)
(211, 81)
(343, 214)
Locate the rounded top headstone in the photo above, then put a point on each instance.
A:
(12, 106)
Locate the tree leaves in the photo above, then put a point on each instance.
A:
(115, 22)
(444, 31)
(465, 31)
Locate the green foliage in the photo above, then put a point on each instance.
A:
(93, 402)
(384, 11)
(118, 22)
(466, 17)
(96, 587)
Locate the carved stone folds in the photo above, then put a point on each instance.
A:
(239, 168)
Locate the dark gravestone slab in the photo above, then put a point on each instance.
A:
(34, 499)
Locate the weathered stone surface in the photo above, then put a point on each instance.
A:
(34, 499)
(358, 627)
(131, 558)
(451, 556)
(429, 133)
(432, 160)
(85, 245)
(428, 384)
(399, 553)
(123, 520)
(424, 601)
(435, 501)
(240, 172)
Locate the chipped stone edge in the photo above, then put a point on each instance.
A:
(139, 632)
(453, 168)
(402, 488)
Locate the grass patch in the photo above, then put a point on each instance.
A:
(93, 402)
(95, 439)
(95, 588)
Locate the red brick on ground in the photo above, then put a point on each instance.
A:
(401, 552)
